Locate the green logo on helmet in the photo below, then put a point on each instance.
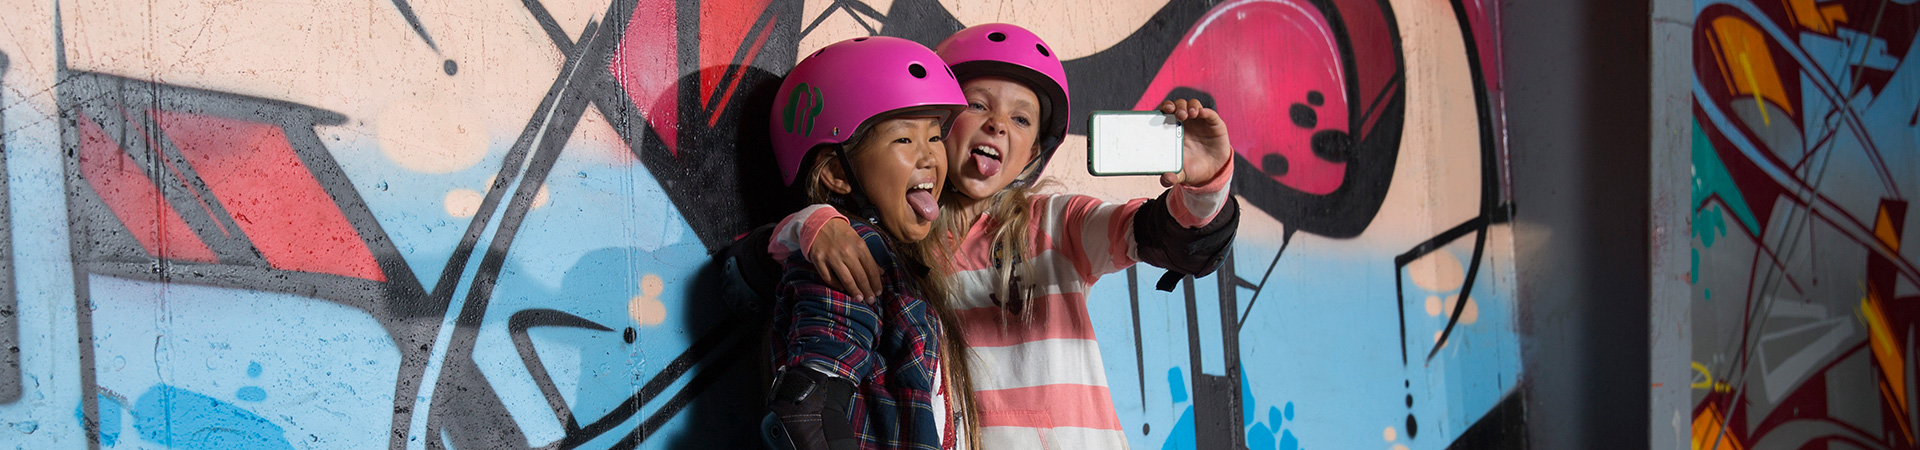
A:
(803, 105)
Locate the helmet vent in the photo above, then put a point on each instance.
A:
(859, 39)
(1043, 49)
(917, 70)
(997, 36)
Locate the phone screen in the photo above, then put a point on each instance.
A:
(1133, 143)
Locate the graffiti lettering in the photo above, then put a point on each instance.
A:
(1803, 296)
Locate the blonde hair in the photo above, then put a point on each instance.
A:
(1011, 212)
(934, 283)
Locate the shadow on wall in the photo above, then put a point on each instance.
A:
(711, 390)
(726, 412)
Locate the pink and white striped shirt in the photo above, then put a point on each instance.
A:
(1041, 384)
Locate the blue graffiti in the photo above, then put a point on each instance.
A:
(1271, 435)
(1177, 384)
(1181, 437)
(183, 419)
(1261, 436)
(252, 393)
(1246, 399)
(109, 418)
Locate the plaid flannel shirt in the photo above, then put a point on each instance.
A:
(891, 359)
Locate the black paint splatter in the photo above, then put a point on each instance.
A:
(1303, 116)
(1274, 165)
(1333, 145)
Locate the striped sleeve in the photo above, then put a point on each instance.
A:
(1097, 236)
(1195, 206)
(795, 233)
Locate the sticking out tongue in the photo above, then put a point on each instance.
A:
(987, 165)
(924, 204)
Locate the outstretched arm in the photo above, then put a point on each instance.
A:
(1189, 228)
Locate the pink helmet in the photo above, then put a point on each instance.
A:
(835, 92)
(1004, 50)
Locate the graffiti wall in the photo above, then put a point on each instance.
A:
(1804, 300)
(426, 225)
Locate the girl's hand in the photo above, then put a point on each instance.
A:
(1207, 149)
(841, 258)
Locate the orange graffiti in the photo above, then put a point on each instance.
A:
(1816, 17)
(1884, 230)
(1746, 62)
(1710, 431)
(1886, 350)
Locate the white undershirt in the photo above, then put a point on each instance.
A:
(942, 421)
(947, 421)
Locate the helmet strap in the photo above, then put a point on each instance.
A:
(863, 207)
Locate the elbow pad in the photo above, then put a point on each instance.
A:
(1161, 241)
(751, 274)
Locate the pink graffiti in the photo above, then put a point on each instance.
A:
(1277, 57)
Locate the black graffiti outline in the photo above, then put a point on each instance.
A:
(854, 9)
(1494, 208)
(413, 20)
(595, 45)
(517, 326)
(706, 352)
(11, 374)
(396, 303)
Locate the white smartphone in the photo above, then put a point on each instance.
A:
(1133, 143)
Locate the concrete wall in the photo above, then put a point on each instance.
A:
(1577, 90)
(1803, 294)
(410, 224)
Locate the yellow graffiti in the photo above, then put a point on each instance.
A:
(1747, 64)
(1706, 379)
